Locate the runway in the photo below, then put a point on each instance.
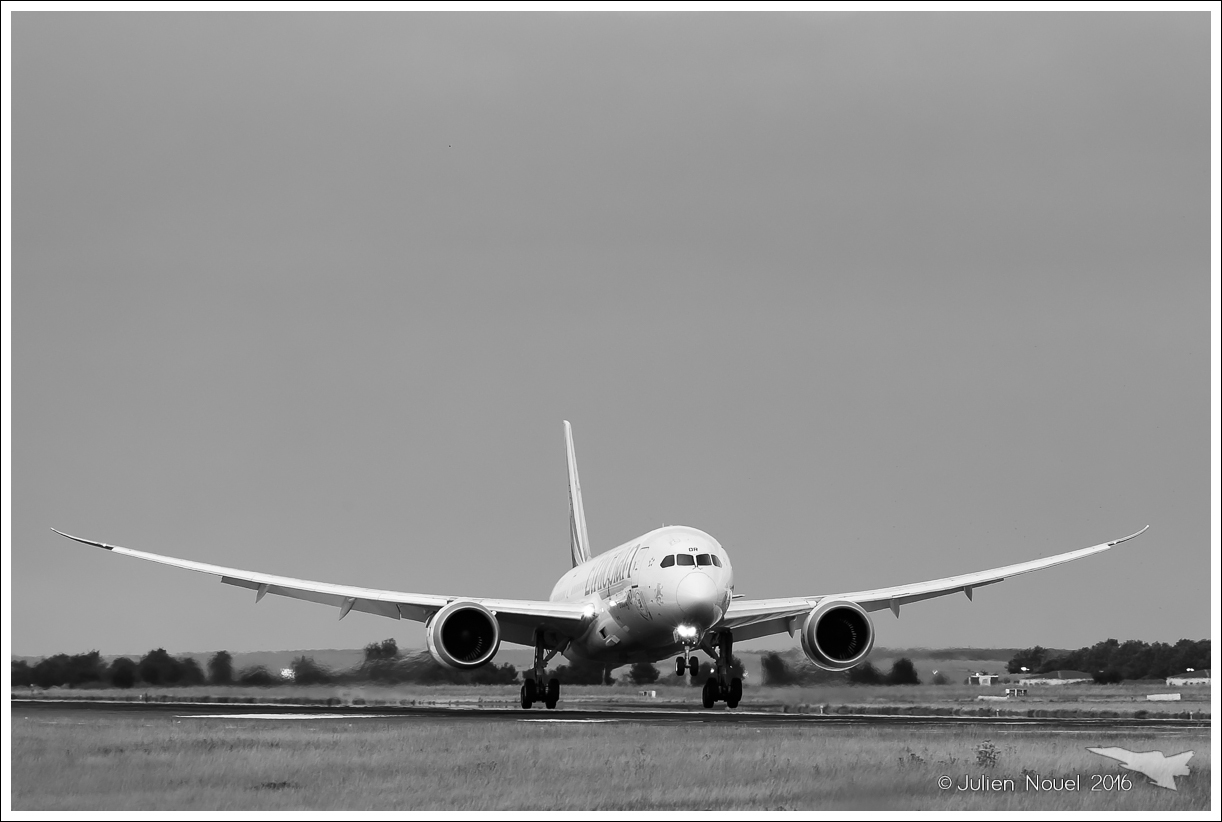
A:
(572, 715)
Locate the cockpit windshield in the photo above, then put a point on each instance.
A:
(689, 559)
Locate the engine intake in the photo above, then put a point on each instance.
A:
(837, 635)
(463, 635)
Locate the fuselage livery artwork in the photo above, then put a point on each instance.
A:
(669, 592)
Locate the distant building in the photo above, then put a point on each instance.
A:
(1189, 678)
(981, 678)
(1058, 678)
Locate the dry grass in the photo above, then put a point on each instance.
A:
(81, 761)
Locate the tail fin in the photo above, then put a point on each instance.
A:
(579, 539)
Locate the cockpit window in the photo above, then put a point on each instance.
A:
(668, 561)
(703, 559)
(685, 559)
(716, 561)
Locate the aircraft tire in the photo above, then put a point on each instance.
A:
(693, 665)
(709, 695)
(553, 693)
(530, 694)
(526, 703)
(736, 693)
(680, 666)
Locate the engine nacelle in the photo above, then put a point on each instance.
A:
(837, 635)
(463, 635)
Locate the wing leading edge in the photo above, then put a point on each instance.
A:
(752, 618)
(518, 618)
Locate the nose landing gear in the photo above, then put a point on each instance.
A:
(683, 664)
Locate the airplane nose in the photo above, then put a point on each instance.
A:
(697, 597)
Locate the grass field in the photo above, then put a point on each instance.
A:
(70, 760)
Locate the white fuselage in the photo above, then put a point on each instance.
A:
(650, 596)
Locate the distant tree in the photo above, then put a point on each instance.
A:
(50, 672)
(492, 674)
(940, 678)
(386, 649)
(1109, 677)
(903, 672)
(22, 674)
(122, 672)
(70, 671)
(581, 673)
(151, 666)
(779, 670)
(1132, 659)
(189, 672)
(1029, 658)
(865, 674)
(308, 672)
(643, 673)
(257, 676)
(1189, 654)
(220, 668)
(157, 668)
(776, 671)
(709, 668)
(422, 669)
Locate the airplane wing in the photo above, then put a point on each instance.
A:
(752, 618)
(518, 618)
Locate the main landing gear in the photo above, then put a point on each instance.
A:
(722, 686)
(532, 691)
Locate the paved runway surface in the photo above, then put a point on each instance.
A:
(575, 714)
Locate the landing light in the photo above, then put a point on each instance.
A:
(589, 610)
(686, 631)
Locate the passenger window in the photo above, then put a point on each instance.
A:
(668, 561)
(703, 559)
(686, 559)
(716, 561)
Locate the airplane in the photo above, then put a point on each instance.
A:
(667, 592)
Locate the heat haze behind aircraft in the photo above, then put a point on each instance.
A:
(669, 592)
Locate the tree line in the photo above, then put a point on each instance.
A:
(156, 668)
(1114, 661)
(780, 670)
(383, 663)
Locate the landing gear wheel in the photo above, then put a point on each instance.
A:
(709, 695)
(680, 666)
(553, 693)
(693, 665)
(530, 694)
(736, 693)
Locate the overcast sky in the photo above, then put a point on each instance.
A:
(870, 297)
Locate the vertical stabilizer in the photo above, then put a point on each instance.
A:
(579, 539)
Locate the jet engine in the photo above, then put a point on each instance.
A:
(837, 635)
(463, 635)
